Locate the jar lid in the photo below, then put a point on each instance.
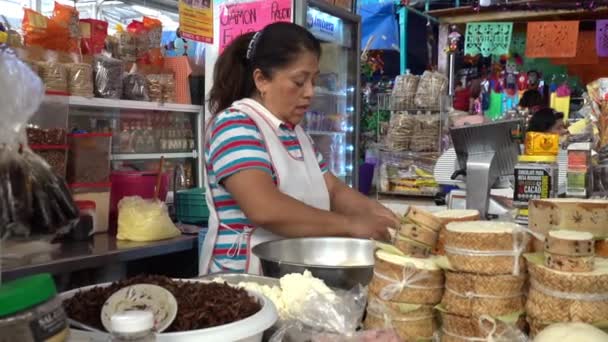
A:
(538, 159)
(25, 293)
(132, 322)
(83, 205)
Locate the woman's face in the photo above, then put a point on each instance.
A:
(289, 92)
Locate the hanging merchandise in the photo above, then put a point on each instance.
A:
(601, 37)
(552, 39)
(560, 100)
(196, 20)
(586, 52)
(488, 38)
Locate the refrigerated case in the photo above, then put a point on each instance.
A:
(333, 119)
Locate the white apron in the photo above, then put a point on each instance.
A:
(300, 179)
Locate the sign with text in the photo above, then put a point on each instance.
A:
(324, 26)
(196, 20)
(240, 18)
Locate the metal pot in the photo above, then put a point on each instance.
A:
(341, 262)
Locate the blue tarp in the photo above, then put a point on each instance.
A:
(378, 19)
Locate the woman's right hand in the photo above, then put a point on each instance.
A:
(370, 226)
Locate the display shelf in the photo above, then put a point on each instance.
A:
(325, 133)
(146, 156)
(122, 104)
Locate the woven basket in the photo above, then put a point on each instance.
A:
(475, 295)
(412, 248)
(424, 291)
(408, 328)
(564, 297)
(495, 237)
(447, 217)
(396, 309)
(459, 328)
(423, 218)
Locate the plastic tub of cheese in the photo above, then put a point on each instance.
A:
(254, 318)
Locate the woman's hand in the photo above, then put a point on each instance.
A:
(382, 211)
(370, 226)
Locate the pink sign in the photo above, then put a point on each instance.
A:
(240, 18)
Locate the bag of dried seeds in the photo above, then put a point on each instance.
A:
(135, 86)
(80, 79)
(108, 76)
(161, 87)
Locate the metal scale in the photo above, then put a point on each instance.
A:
(486, 154)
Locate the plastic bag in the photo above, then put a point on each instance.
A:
(161, 87)
(431, 88)
(144, 220)
(80, 79)
(67, 16)
(108, 76)
(94, 33)
(320, 312)
(48, 33)
(135, 86)
(155, 31)
(32, 198)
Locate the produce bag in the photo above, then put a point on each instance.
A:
(144, 220)
(33, 200)
(323, 314)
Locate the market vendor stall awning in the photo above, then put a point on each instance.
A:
(379, 21)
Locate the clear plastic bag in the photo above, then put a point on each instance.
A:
(108, 76)
(33, 200)
(320, 313)
(80, 79)
(144, 220)
(431, 88)
(135, 86)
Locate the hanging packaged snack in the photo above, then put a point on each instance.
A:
(94, 33)
(135, 86)
(80, 79)
(47, 33)
(54, 74)
(161, 87)
(108, 76)
(139, 32)
(126, 45)
(155, 31)
(33, 199)
(67, 16)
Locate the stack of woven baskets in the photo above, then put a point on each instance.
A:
(485, 283)
(407, 283)
(567, 282)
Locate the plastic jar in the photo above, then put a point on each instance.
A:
(87, 224)
(133, 326)
(31, 311)
(536, 177)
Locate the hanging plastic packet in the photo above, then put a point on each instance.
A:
(135, 86)
(32, 198)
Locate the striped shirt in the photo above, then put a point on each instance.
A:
(236, 144)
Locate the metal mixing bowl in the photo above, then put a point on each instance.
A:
(340, 262)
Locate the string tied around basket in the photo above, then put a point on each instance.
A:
(490, 337)
(472, 295)
(409, 277)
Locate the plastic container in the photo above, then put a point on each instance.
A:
(89, 158)
(31, 311)
(133, 326)
(191, 206)
(100, 195)
(55, 156)
(250, 329)
(133, 183)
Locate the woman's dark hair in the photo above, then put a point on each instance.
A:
(275, 47)
(531, 98)
(543, 120)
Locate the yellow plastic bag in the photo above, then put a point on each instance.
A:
(144, 220)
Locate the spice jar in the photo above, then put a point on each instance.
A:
(31, 311)
(536, 177)
(133, 326)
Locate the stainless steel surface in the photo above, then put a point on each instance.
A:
(236, 278)
(340, 262)
(486, 151)
(102, 250)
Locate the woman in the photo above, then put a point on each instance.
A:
(264, 178)
(547, 120)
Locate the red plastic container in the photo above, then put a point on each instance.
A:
(133, 183)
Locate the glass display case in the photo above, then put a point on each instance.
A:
(334, 116)
(133, 134)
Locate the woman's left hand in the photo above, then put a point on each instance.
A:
(382, 211)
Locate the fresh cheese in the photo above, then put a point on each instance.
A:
(571, 332)
(570, 235)
(457, 215)
(422, 217)
(486, 227)
(422, 264)
(570, 243)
